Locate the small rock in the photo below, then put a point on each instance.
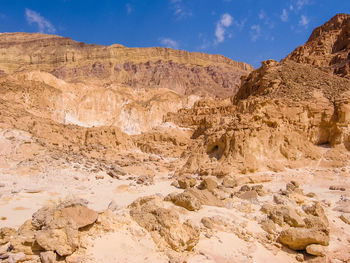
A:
(229, 182)
(336, 188)
(311, 195)
(99, 177)
(33, 190)
(345, 218)
(299, 257)
(185, 200)
(2, 185)
(245, 188)
(18, 257)
(145, 179)
(74, 259)
(186, 182)
(249, 195)
(5, 248)
(48, 257)
(208, 183)
(316, 250)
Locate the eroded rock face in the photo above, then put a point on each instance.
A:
(164, 224)
(181, 71)
(281, 115)
(328, 47)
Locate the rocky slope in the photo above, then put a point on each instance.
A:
(328, 47)
(91, 85)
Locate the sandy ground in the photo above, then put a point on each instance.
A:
(25, 186)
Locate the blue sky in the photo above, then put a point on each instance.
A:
(245, 30)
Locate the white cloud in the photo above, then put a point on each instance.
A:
(302, 3)
(284, 15)
(180, 10)
(255, 32)
(304, 21)
(168, 42)
(262, 14)
(43, 24)
(129, 8)
(225, 22)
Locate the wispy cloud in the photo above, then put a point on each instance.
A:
(255, 32)
(168, 42)
(129, 8)
(284, 15)
(266, 19)
(221, 26)
(304, 21)
(180, 10)
(302, 3)
(298, 5)
(43, 24)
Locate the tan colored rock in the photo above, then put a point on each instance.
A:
(281, 214)
(5, 234)
(63, 240)
(229, 182)
(74, 259)
(81, 215)
(249, 195)
(185, 200)
(48, 257)
(327, 47)
(316, 250)
(57, 227)
(345, 218)
(187, 182)
(208, 183)
(24, 240)
(269, 226)
(16, 257)
(300, 238)
(317, 210)
(164, 224)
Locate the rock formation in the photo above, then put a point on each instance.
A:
(328, 47)
(178, 165)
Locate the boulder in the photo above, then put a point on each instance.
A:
(63, 239)
(249, 195)
(229, 182)
(16, 257)
(193, 199)
(57, 227)
(300, 238)
(208, 183)
(81, 215)
(48, 257)
(281, 214)
(185, 200)
(164, 224)
(316, 250)
(186, 182)
(5, 234)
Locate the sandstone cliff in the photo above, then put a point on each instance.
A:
(328, 47)
(181, 71)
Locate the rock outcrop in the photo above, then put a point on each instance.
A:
(181, 71)
(328, 47)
